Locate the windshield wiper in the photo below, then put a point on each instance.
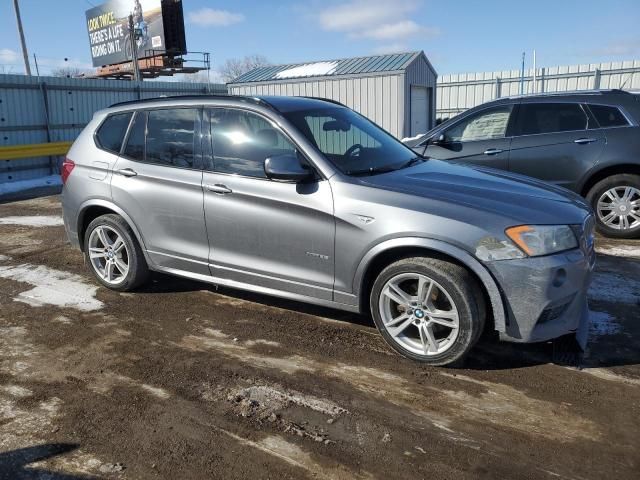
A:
(414, 161)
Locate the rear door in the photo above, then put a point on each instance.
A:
(157, 181)
(270, 234)
(479, 138)
(555, 141)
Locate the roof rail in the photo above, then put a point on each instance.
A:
(254, 100)
(571, 92)
(328, 100)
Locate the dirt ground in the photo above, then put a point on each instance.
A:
(181, 380)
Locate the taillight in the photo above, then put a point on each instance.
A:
(67, 168)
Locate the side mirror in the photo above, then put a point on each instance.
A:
(438, 140)
(286, 168)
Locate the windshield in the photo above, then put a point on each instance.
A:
(352, 143)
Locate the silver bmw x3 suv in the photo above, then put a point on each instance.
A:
(306, 199)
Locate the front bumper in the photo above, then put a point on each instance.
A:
(545, 297)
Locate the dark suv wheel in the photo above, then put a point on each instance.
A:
(616, 201)
(428, 310)
(113, 254)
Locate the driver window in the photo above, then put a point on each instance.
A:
(242, 141)
(486, 125)
(333, 140)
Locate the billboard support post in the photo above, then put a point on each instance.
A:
(134, 50)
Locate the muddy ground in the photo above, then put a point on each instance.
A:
(181, 380)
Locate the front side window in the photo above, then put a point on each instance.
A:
(486, 125)
(608, 116)
(242, 141)
(355, 145)
(536, 118)
(111, 133)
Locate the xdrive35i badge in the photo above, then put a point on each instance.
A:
(318, 255)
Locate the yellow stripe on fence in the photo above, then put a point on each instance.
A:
(14, 152)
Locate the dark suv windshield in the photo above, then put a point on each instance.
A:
(352, 143)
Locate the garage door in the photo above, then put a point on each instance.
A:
(419, 109)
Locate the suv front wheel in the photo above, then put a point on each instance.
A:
(113, 254)
(616, 201)
(428, 310)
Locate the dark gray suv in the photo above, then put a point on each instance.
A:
(588, 142)
(305, 199)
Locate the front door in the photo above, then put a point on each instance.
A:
(265, 233)
(479, 138)
(555, 142)
(157, 181)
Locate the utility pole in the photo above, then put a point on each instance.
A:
(134, 50)
(25, 54)
(535, 74)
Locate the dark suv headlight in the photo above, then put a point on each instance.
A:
(537, 240)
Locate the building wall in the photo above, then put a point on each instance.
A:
(379, 98)
(457, 93)
(71, 104)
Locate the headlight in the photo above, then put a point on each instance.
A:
(536, 240)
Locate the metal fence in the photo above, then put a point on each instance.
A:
(36, 110)
(457, 93)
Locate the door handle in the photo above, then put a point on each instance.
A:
(127, 172)
(493, 151)
(584, 141)
(219, 189)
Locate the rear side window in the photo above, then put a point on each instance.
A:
(170, 136)
(608, 116)
(135, 142)
(111, 133)
(535, 118)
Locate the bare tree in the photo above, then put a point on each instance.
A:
(234, 67)
(68, 72)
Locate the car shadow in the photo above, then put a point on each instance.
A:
(619, 349)
(14, 464)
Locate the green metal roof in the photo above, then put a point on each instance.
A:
(327, 68)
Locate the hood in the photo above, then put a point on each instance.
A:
(522, 200)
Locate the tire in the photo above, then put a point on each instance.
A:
(454, 292)
(598, 196)
(128, 254)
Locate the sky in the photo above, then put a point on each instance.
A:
(458, 36)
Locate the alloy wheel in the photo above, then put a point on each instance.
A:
(419, 314)
(108, 254)
(619, 208)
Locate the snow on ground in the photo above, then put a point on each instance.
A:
(22, 185)
(52, 287)
(631, 251)
(33, 221)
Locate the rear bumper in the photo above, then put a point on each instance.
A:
(545, 297)
(69, 222)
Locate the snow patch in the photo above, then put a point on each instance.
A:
(4, 258)
(33, 221)
(52, 287)
(22, 185)
(309, 70)
(601, 323)
(620, 251)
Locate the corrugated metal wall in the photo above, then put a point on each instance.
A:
(376, 97)
(456, 93)
(71, 104)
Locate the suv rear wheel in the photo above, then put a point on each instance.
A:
(428, 310)
(616, 201)
(113, 254)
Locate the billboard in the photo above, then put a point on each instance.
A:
(110, 38)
